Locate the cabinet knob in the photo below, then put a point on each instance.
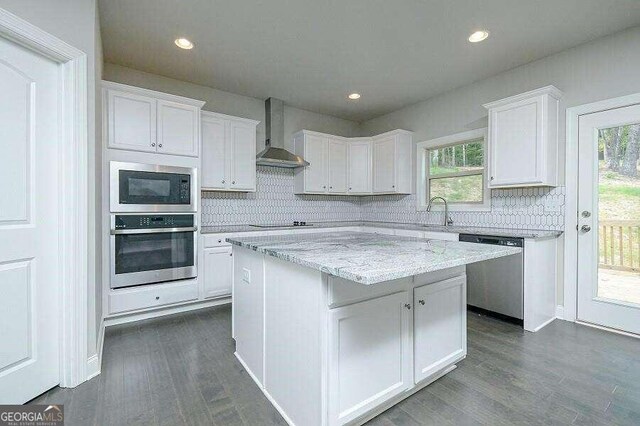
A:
(491, 177)
(222, 180)
(393, 186)
(421, 302)
(159, 145)
(324, 187)
(230, 254)
(157, 297)
(331, 187)
(153, 144)
(349, 188)
(407, 305)
(233, 183)
(219, 241)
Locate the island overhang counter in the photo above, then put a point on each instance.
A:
(337, 327)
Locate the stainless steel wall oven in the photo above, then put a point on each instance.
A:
(146, 249)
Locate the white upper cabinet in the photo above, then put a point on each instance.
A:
(337, 149)
(132, 121)
(384, 170)
(144, 120)
(356, 166)
(243, 155)
(359, 167)
(523, 139)
(178, 128)
(214, 152)
(314, 149)
(228, 153)
(392, 163)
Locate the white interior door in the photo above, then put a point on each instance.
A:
(29, 265)
(609, 219)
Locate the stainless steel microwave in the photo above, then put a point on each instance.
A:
(141, 188)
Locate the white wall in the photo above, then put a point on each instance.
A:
(75, 22)
(229, 103)
(605, 68)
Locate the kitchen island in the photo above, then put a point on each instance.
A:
(337, 327)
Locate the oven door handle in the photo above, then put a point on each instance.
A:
(152, 231)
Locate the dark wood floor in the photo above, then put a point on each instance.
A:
(181, 370)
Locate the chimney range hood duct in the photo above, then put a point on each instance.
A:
(274, 154)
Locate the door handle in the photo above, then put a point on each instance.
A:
(585, 228)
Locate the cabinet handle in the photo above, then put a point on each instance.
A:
(407, 305)
(421, 302)
(153, 144)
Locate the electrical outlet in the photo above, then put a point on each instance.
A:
(246, 275)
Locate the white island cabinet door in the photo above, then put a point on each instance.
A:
(218, 272)
(370, 359)
(384, 163)
(131, 121)
(360, 167)
(337, 149)
(214, 153)
(243, 156)
(178, 131)
(440, 326)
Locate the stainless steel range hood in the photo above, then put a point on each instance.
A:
(274, 154)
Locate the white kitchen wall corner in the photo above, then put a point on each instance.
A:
(523, 139)
(228, 153)
(354, 166)
(148, 121)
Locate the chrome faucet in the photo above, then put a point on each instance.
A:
(447, 218)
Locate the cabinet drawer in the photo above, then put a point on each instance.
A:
(215, 240)
(344, 292)
(152, 296)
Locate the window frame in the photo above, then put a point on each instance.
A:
(422, 184)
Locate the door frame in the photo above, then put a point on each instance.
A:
(73, 191)
(569, 312)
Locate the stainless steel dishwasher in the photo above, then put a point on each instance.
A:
(497, 285)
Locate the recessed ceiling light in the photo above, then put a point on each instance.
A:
(478, 36)
(184, 43)
(354, 96)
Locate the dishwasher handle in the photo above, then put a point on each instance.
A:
(491, 239)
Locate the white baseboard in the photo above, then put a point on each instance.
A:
(139, 316)
(94, 362)
(560, 312)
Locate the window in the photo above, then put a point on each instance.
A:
(453, 167)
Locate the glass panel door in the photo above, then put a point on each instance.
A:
(609, 219)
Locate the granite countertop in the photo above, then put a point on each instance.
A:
(369, 258)
(499, 232)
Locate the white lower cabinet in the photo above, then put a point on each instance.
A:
(440, 326)
(370, 359)
(218, 271)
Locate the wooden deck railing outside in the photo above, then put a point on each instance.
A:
(619, 245)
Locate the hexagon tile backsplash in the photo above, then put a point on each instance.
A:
(275, 203)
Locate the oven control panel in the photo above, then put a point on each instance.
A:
(151, 221)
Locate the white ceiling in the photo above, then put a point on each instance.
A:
(312, 53)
